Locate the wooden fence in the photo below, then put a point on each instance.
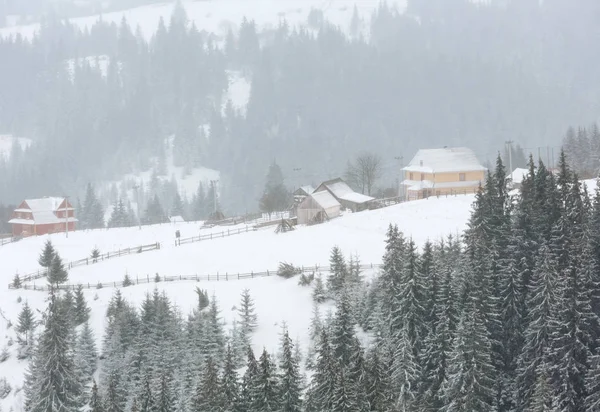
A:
(195, 278)
(90, 261)
(7, 240)
(211, 236)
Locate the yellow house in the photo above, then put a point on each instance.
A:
(438, 172)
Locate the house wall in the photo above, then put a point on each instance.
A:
(446, 191)
(53, 228)
(308, 209)
(446, 177)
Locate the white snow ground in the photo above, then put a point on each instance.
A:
(361, 233)
(218, 16)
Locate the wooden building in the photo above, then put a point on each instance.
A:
(344, 194)
(436, 172)
(43, 216)
(317, 208)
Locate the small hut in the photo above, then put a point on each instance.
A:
(317, 208)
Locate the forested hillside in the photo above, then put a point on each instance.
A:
(445, 73)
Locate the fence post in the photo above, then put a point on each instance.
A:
(148, 277)
(252, 275)
(137, 281)
(179, 277)
(217, 276)
(226, 276)
(115, 284)
(211, 236)
(238, 275)
(268, 272)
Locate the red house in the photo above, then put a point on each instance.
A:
(43, 216)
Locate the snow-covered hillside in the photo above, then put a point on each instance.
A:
(7, 142)
(218, 16)
(362, 234)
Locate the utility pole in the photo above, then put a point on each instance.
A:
(137, 204)
(400, 177)
(67, 216)
(509, 143)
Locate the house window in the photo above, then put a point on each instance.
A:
(461, 177)
(411, 176)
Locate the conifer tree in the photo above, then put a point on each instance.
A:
(405, 372)
(95, 399)
(266, 387)
(47, 256)
(319, 294)
(214, 334)
(343, 395)
(358, 378)
(85, 353)
(320, 394)
(592, 382)
(248, 317)
(82, 312)
(470, 383)
(290, 390)
(542, 396)
(53, 383)
(338, 271)
(378, 385)
(146, 399)
(26, 324)
(115, 396)
(343, 336)
(248, 393)
(209, 396)
(57, 273)
(165, 400)
(230, 384)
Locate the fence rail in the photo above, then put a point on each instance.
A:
(90, 261)
(211, 236)
(196, 278)
(7, 240)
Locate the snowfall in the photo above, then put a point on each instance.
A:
(277, 300)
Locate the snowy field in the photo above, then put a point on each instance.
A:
(218, 16)
(7, 142)
(361, 233)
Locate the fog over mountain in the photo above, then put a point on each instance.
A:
(439, 73)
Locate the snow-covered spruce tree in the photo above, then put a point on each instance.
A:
(95, 402)
(165, 401)
(247, 396)
(266, 387)
(82, 312)
(209, 396)
(542, 396)
(290, 388)
(470, 382)
(247, 316)
(592, 382)
(314, 331)
(358, 377)
(115, 396)
(25, 325)
(52, 383)
(343, 335)
(390, 279)
(92, 214)
(230, 386)
(378, 385)
(57, 273)
(47, 255)
(338, 272)
(146, 399)
(214, 334)
(343, 394)
(319, 294)
(320, 393)
(405, 373)
(86, 356)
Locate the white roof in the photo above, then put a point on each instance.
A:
(451, 159)
(42, 218)
(176, 219)
(325, 199)
(519, 174)
(357, 198)
(338, 188)
(45, 204)
(308, 189)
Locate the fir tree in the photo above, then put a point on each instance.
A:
(82, 312)
(115, 396)
(165, 401)
(57, 273)
(248, 317)
(405, 373)
(248, 394)
(16, 283)
(320, 394)
(85, 353)
(266, 386)
(343, 395)
(53, 383)
(26, 324)
(290, 390)
(378, 385)
(319, 294)
(343, 331)
(230, 384)
(338, 271)
(47, 257)
(146, 399)
(209, 396)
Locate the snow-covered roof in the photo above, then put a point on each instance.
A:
(176, 219)
(43, 211)
(518, 175)
(357, 198)
(342, 191)
(305, 189)
(325, 199)
(451, 159)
